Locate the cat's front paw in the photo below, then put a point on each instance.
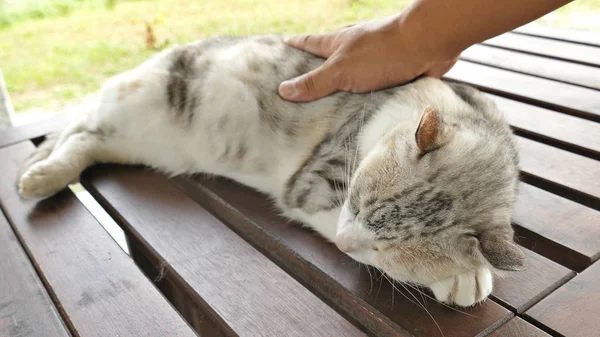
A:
(465, 289)
(43, 179)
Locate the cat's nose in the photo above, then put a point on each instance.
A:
(345, 243)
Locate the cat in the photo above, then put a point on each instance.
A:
(418, 181)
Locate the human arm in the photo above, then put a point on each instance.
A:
(425, 39)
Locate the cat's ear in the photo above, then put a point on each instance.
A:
(432, 132)
(501, 252)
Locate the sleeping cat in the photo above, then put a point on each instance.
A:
(418, 181)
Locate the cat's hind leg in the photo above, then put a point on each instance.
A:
(57, 164)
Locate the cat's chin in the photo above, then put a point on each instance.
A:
(364, 257)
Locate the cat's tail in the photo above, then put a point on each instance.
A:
(60, 160)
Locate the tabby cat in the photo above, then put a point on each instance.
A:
(418, 181)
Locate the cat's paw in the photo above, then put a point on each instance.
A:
(43, 179)
(465, 289)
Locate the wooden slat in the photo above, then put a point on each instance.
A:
(517, 327)
(239, 288)
(573, 52)
(563, 71)
(22, 133)
(568, 132)
(519, 291)
(559, 96)
(25, 308)
(570, 174)
(563, 34)
(573, 309)
(365, 296)
(100, 290)
(569, 231)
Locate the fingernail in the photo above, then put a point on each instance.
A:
(287, 89)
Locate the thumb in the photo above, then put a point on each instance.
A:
(308, 87)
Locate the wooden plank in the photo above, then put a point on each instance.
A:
(22, 133)
(568, 231)
(25, 307)
(553, 69)
(563, 34)
(355, 290)
(572, 52)
(517, 327)
(230, 280)
(571, 99)
(100, 290)
(519, 291)
(562, 172)
(574, 308)
(567, 132)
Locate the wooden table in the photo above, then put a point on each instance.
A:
(210, 257)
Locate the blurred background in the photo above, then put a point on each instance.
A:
(54, 52)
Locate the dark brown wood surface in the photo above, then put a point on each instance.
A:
(559, 70)
(362, 294)
(572, 52)
(561, 230)
(519, 291)
(560, 96)
(573, 309)
(568, 132)
(99, 289)
(517, 327)
(563, 172)
(25, 307)
(240, 289)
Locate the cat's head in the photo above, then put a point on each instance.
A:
(434, 200)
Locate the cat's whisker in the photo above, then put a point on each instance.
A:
(401, 293)
(440, 302)
(427, 311)
(370, 277)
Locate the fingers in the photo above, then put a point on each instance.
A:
(318, 44)
(309, 87)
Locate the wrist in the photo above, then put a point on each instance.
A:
(427, 36)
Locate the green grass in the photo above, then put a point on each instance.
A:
(56, 51)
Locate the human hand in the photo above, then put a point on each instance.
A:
(367, 56)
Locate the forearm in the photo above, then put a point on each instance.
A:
(444, 28)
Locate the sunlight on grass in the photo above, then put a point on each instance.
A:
(55, 51)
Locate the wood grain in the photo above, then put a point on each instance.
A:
(519, 291)
(546, 93)
(100, 290)
(517, 327)
(562, 172)
(572, 52)
(360, 293)
(573, 309)
(25, 307)
(226, 277)
(559, 70)
(568, 231)
(568, 132)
